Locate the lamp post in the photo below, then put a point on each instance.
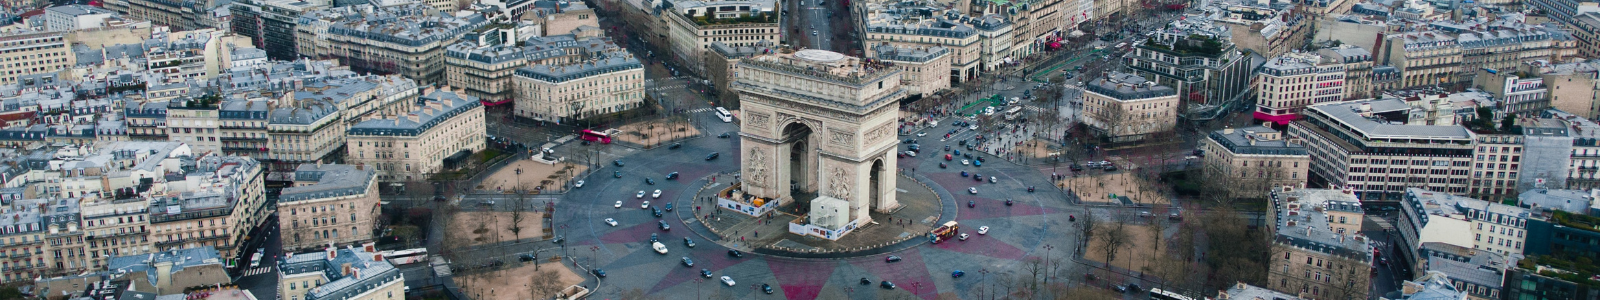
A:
(985, 273)
(1050, 272)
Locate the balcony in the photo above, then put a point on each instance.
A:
(245, 149)
(244, 139)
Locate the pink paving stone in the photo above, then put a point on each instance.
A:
(909, 270)
(996, 208)
(633, 234)
(801, 279)
(981, 245)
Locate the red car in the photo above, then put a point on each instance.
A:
(947, 157)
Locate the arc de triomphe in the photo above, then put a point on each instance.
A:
(820, 122)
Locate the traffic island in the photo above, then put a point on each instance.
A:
(770, 229)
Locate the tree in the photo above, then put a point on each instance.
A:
(1233, 253)
(1088, 228)
(544, 284)
(519, 214)
(1114, 237)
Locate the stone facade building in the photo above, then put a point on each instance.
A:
(442, 125)
(1254, 159)
(1317, 249)
(1127, 108)
(325, 199)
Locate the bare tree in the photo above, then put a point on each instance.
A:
(1088, 228)
(1113, 237)
(519, 214)
(544, 284)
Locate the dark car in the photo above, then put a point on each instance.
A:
(942, 166)
(669, 207)
(688, 242)
(1030, 190)
(735, 253)
(675, 146)
(663, 225)
(964, 174)
(528, 257)
(672, 176)
(649, 181)
(887, 285)
(891, 258)
(705, 273)
(864, 281)
(908, 141)
(617, 174)
(1110, 168)
(688, 262)
(655, 211)
(946, 147)
(599, 272)
(1134, 287)
(1009, 202)
(617, 162)
(653, 237)
(724, 135)
(914, 147)
(1075, 168)
(766, 288)
(957, 274)
(712, 156)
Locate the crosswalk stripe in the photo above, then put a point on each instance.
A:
(258, 271)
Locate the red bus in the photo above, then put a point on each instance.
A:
(945, 232)
(595, 136)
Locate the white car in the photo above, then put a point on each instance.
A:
(962, 237)
(619, 204)
(973, 127)
(611, 221)
(727, 280)
(658, 247)
(973, 190)
(983, 230)
(655, 195)
(965, 162)
(645, 205)
(639, 195)
(578, 184)
(911, 153)
(922, 134)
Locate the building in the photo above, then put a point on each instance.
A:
(1254, 159)
(29, 53)
(1198, 59)
(214, 205)
(1537, 278)
(1564, 11)
(1268, 28)
(1476, 273)
(1428, 58)
(1463, 222)
(1288, 83)
(1357, 69)
(407, 40)
(444, 125)
(1317, 247)
(172, 271)
(1127, 108)
(720, 62)
(1515, 92)
(485, 67)
(559, 17)
(353, 273)
(925, 70)
(75, 17)
(23, 245)
(1586, 29)
(116, 227)
(270, 24)
(606, 83)
(1242, 291)
(325, 199)
(1435, 285)
(692, 25)
(1380, 147)
(923, 26)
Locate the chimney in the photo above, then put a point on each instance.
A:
(1228, 130)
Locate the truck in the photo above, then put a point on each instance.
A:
(574, 292)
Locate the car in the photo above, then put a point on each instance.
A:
(766, 288)
(644, 205)
(577, 184)
(977, 177)
(653, 237)
(1121, 289)
(735, 253)
(962, 237)
(617, 174)
(991, 179)
(688, 242)
(1110, 168)
(1134, 287)
(655, 212)
(662, 249)
(911, 153)
(957, 274)
(669, 207)
(908, 141)
(891, 259)
(1144, 214)
(1030, 189)
(1075, 168)
(675, 146)
(948, 157)
(983, 230)
(914, 147)
(712, 156)
(813, 32)
(672, 176)
(977, 163)
(964, 173)
(599, 272)
(922, 134)
(639, 195)
(1103, 163)
(617, 162)
(655, 195)
(1174, 217)
(965, 162)
(688, 262)
(663, 225)
(1009, 202)
(619, 204)
(972, 190)
(611, 221)
(946, 147)
(887, 285)
(526, 257)
(943, 165)
(649, 181)
(727, 280)
(705, 273)
(724, 135)
(487, 203)
(971, 204)
(973, 127)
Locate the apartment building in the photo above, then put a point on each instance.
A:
(1572, 87)
(1357, 69)
(115, 227)
(408, 40)
(75, 17)
(1427, 216)
(22, 243)
(1037, 23)
(351, 273)
(1268, 28)
(180, 56)
(242, 127)
(1378, 148)
(1317, 249)
(1502, 45)
(692, 25)
(918, 27)
(925, 70)
(1564, 11)
(1127, 108)
(485, 70)
(1477, 274)
(560, 17)
(1428, 58)
(324, 199)
(1586, 28)
(1515, 92)
(173, 271)
(720, 62)
(1242, 291)
(609, 83)
(1288, 83)
(1254, 159)
(213, 206)
(444, 125)
(1199, 60)
(25, 53)
(194, 121)
(270, 24)
(64, 240)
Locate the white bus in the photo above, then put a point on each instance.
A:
(1013, 112)
(1158, 294)
(408, 256)
(722, 113)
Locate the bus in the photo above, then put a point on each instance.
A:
(408, 256)
(1157, 293)
(1013, 112)
(944, 232)
(595, 136)
(722, 113)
